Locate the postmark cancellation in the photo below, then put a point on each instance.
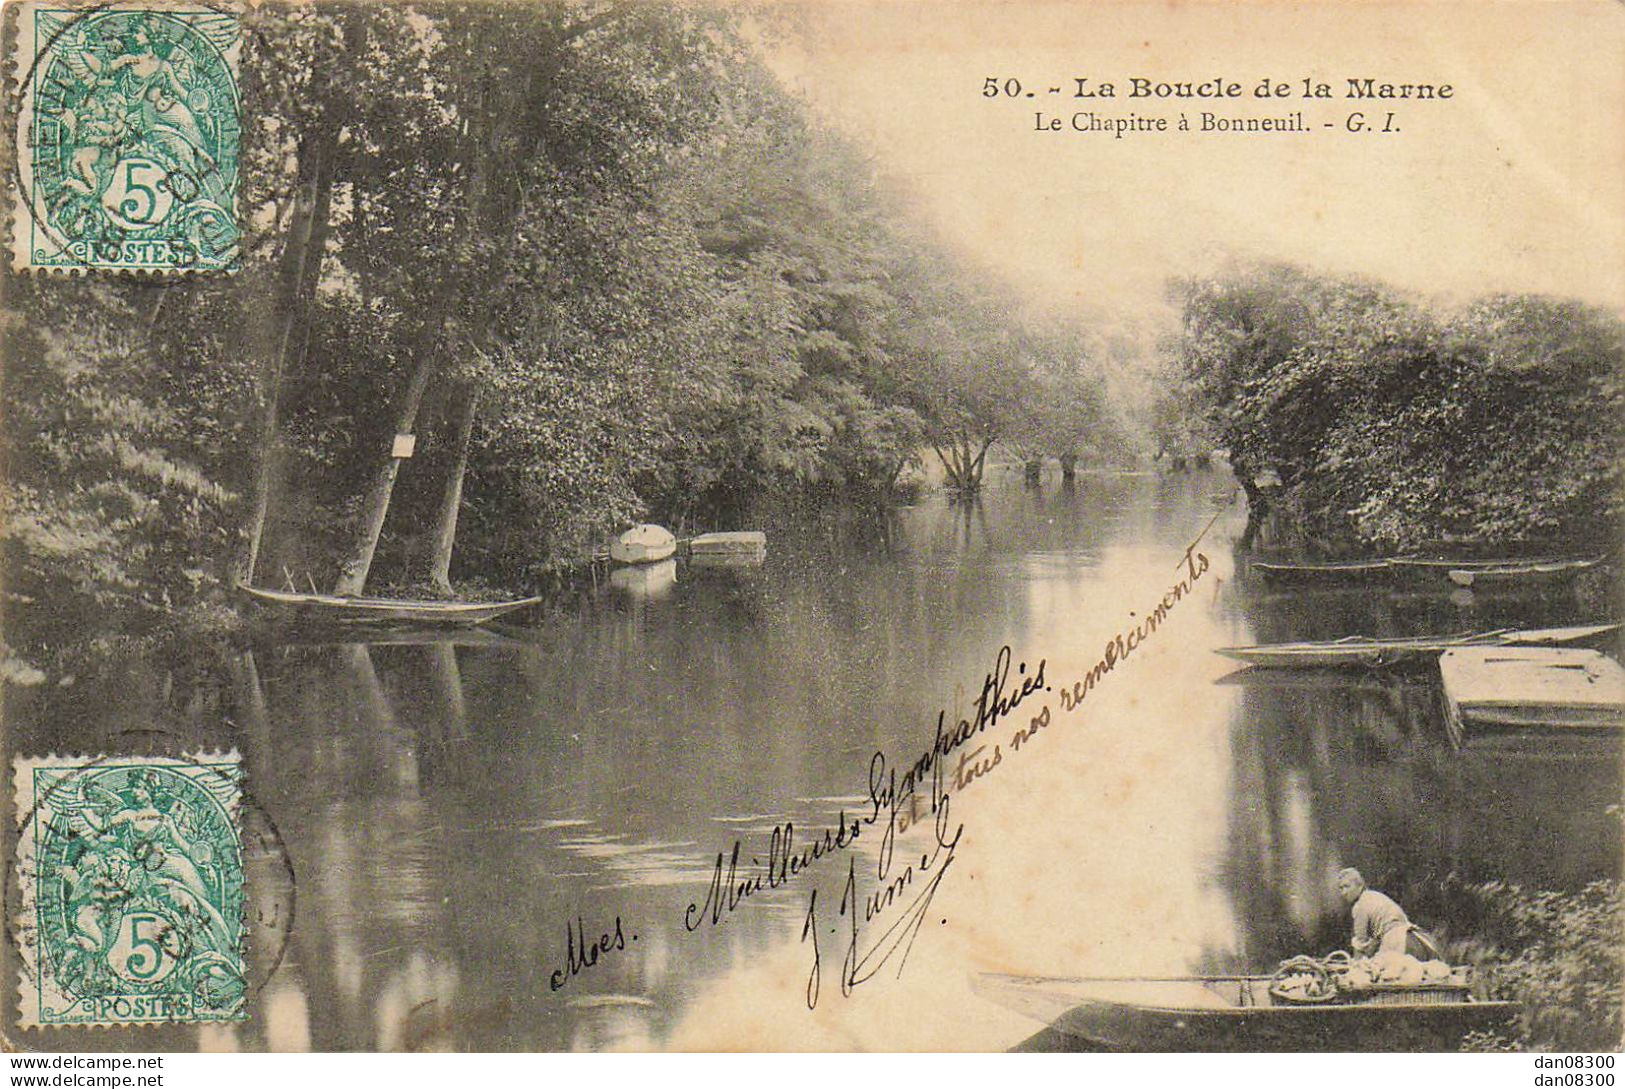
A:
(128, 121)
(130, 873)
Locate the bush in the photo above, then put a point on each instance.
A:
(1569, 971)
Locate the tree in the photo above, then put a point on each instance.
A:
(561, 102)
(1065, 413)
(958, 356)
(1391, 425)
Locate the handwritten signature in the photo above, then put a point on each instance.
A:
(864, 957)
(724, 895)
(890, 798)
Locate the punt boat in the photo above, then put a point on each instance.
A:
(1407, 569)
(1357, 650)
(1238, 1013)
(334, 609)
(748, 543)
(1322, 573)
(1518, 573)
(1531, 690)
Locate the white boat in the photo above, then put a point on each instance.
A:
(742, 543)
(646, 543)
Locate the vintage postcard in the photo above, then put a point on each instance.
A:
(863, 525)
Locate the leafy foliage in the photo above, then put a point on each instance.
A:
(117, 457)
(589, 253)
(1392, 426)
(1568, 970)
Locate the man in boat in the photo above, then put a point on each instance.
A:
(1380, 925)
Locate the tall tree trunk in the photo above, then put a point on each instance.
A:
(948, 469)
(1258, 509)
(494, 107)
(375, 504)
(973, 475)
(482, 139)
(296, 290)
(954, 463)
(963, 460)
(444, 534)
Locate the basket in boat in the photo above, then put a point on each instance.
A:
(1374, 996)
(1311, 981)
(1303, 981)
(1291, 998)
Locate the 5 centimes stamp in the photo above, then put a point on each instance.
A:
(131, 879)
(128, 126)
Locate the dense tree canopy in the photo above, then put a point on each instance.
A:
(590, 255)
(1391, 425)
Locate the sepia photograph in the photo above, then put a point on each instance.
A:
(1070, 526)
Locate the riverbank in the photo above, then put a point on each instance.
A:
(1558, 953)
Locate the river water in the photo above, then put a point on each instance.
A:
(434, 816)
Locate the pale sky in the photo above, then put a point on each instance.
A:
(1516, 183)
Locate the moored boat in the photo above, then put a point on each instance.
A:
(335, 609)
(645, 543)
(1322, 573)
(747, 543)
(1411, 569)
(1238, 1013)
(1513, 690)
(1356, 650)
(1519, 573)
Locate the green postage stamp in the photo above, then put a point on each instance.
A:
(131, 879)
(128, 124)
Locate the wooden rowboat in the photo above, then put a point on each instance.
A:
(333, 609)
(748, 543)
(1356, 650)
(1238, 1013)
(1322, 573)
(1462, 572)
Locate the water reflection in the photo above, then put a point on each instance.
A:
(648, 580)
(451, 807)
